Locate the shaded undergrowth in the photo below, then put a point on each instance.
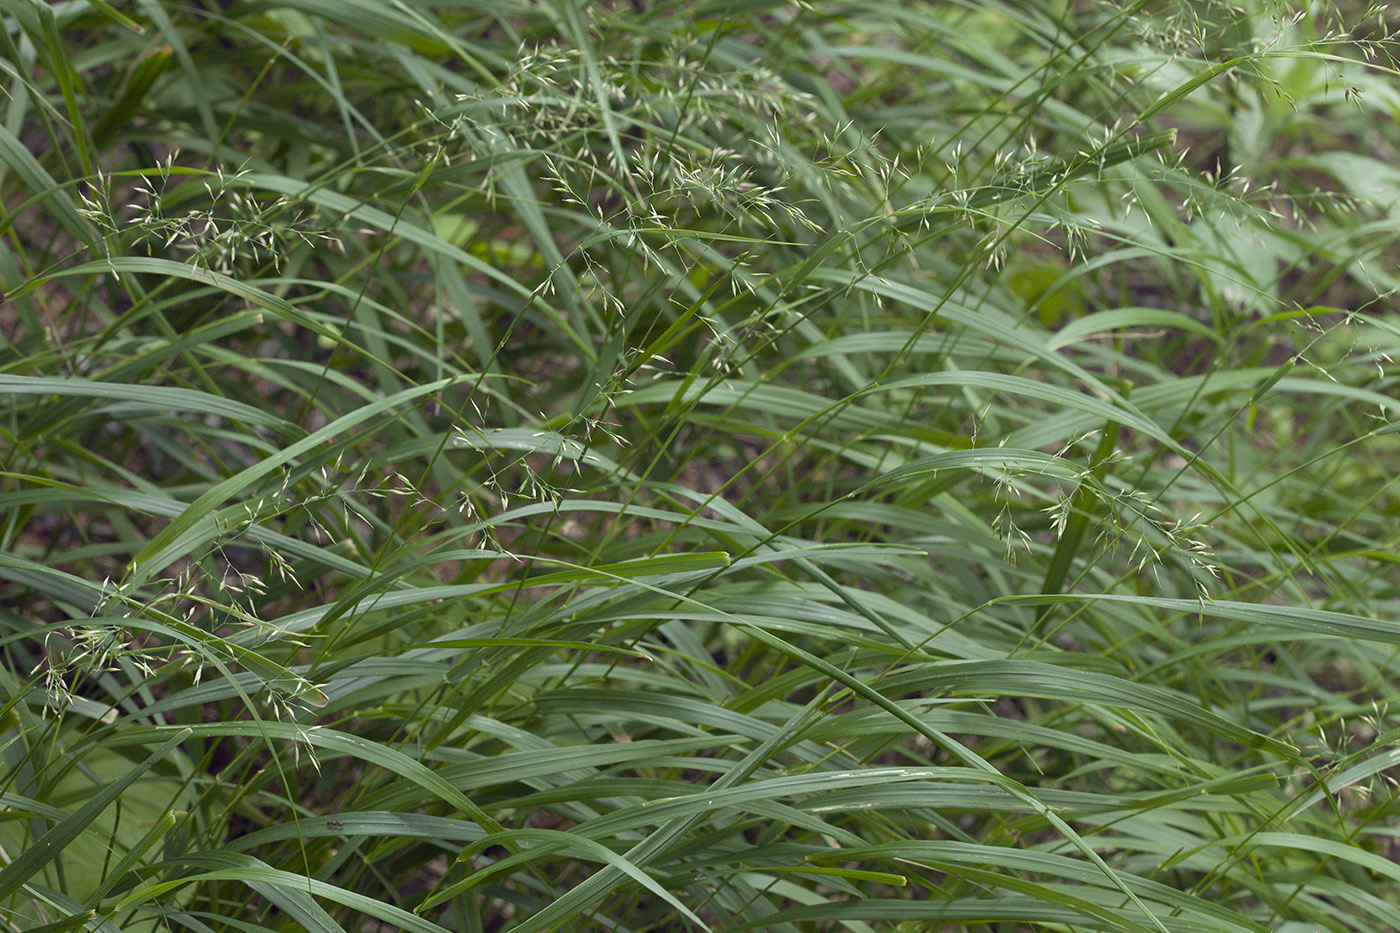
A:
(718, 465)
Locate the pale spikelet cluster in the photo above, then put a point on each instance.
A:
(634, 150)
(619, 140)
(509, 472)
(1155, 536)
(232, 227)
(165, 625)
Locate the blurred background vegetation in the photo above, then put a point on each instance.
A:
(727, 465)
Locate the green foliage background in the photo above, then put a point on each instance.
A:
(729, 465)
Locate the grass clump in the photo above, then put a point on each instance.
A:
(726, 466)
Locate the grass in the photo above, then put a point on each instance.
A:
(728, 466)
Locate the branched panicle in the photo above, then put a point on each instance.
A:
(235, 229)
